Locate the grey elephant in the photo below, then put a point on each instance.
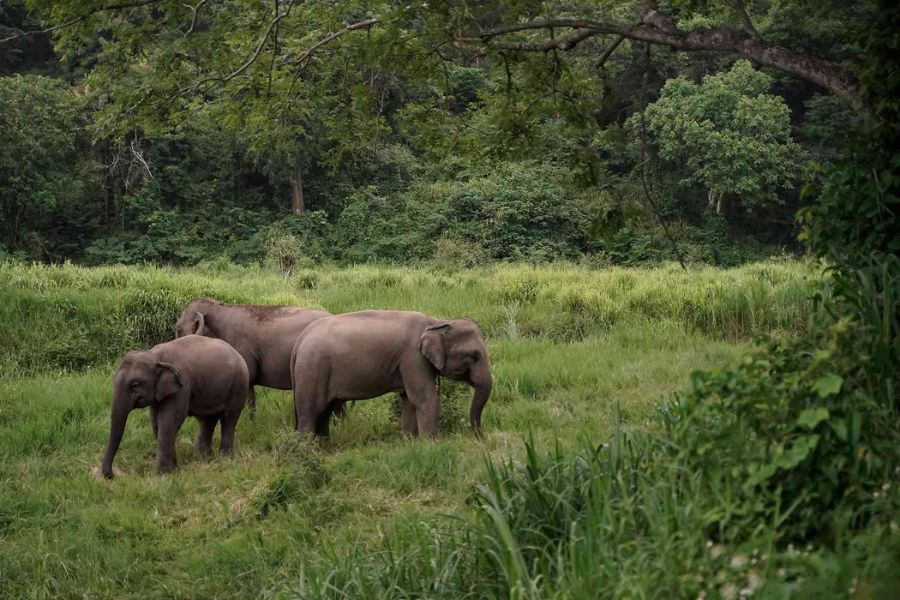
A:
(264, 335)
(191, 376)
(365, 354)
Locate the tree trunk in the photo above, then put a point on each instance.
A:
(298, 204)
(715, 200)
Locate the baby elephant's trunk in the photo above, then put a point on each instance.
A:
(483, 383)
(120, 409)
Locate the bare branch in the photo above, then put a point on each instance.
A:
(78, 19)
(195, 10)
(139, 156)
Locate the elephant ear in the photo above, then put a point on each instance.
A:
(200, 323)
(433, 346)
(168, 380)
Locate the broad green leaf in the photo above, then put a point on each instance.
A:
(840, 428)
(828, 385)
(811, 417)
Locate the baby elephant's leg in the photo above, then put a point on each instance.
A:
(229, 425)
(169, 419)
(203, 443)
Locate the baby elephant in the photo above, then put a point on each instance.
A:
(365, 354)
(193, 375)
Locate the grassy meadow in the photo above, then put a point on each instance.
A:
(580, 357)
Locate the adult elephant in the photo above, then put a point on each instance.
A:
(365, 354)
(263, 335)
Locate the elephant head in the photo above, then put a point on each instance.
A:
(140, 381)
(192, 321)
(455, 348)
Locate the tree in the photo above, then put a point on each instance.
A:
(38, 140)
(729, 134)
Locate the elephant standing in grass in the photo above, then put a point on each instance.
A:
(264, 335)
(191, 376)
(365, 354)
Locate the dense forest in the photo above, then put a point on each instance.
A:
(366, 131)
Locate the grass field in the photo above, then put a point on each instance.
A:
(569, 346)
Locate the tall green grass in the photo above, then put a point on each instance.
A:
(70, 317)
(599, 521)
(580, 358)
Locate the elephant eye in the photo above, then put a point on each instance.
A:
(134, 385)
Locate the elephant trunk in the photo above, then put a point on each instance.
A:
(120, 408)
(483, 383)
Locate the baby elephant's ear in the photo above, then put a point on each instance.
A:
(432, 345)
(199, 323)
(168, 380)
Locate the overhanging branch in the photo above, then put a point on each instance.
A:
(656, 27)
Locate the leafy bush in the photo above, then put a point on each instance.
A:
(791, 436)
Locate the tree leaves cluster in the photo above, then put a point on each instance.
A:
(210, 121)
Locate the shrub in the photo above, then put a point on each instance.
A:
(457, 254)
(790, 435)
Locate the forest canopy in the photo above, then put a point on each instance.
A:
(624, 132)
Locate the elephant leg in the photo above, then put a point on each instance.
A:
(339, 409)
(203, 443)
(170, 418)
(312, 399)
(408, 424)
(154, 423)
(306, 415)
(229, 425)
(251, 402)
(323, 421)
(421, 390)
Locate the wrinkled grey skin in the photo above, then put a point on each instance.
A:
(191, 376)
(365, 354)
(263, 335)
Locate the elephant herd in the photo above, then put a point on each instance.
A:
(221, 351)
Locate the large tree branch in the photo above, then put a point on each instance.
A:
(657, 27)
(78, 19)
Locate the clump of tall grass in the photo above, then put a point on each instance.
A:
(70, 317)
(603, 521)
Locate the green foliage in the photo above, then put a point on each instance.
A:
(521, 211)
(729, 133)
(42, 179)
(795, 432)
